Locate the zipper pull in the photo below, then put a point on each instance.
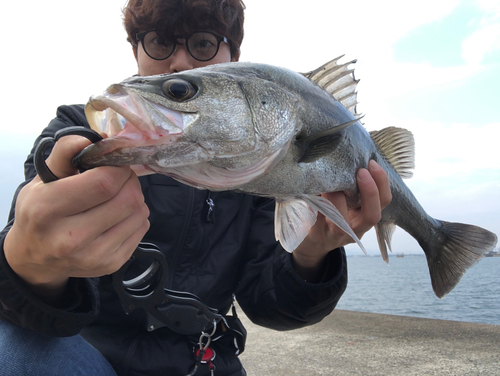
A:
(211, 205)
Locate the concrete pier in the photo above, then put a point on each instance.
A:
(355, 343)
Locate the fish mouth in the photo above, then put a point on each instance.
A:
(130, 121)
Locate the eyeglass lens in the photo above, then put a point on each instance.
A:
(202, 46)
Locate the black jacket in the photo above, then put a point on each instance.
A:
(213, 254)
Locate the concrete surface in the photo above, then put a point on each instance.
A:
(356, 343)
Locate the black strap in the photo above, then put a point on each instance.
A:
(41, 167)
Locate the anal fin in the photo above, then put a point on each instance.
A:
(384, 231)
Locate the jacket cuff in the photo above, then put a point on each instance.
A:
(308, 303)
(332, 268)
(78, 306)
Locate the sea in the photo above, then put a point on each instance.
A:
(404, 288)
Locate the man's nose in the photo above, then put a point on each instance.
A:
(180, 60)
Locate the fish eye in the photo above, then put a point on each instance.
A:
(179, 90)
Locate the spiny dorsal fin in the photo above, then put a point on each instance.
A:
(398, 147)
(338, 81)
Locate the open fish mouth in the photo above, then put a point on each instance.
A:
(122, 112)
(130, 122)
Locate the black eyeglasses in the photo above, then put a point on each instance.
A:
(201, 45)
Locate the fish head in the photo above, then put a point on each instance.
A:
(193, 124)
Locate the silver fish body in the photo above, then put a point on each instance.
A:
(268, 131)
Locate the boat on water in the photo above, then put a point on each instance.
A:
(494, 253)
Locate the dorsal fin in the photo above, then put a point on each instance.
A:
(398, 147)
(338, 80)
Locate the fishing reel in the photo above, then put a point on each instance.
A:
(140, 282)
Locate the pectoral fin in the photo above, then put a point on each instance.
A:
(322, 143)
(293, 219)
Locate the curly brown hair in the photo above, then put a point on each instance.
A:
(173, 17)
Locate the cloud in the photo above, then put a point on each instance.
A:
(456, 149)
(481, 42)
(486, 38)
(491, 6)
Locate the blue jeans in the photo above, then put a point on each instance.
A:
(27, 353)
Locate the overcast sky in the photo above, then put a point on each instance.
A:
(432, 67)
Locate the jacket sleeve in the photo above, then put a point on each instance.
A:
(79, 305)
(272, 294)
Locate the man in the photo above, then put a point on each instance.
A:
(69, 233)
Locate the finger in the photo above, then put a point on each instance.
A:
(370, 211)
(110, 249)
(129, 202)
(78, 193)
(382, 180)
(105, 259)
(125, 236)
(333, 233)
(339, 201)
(127, 248)
(60, 159)
(117, 248)
(70, 196)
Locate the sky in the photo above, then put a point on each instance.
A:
(432, 67)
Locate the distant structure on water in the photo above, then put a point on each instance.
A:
(494, 253)
(400, 255)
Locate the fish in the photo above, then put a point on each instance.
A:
(272, 132)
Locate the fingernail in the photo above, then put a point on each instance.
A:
(363, 174)
(373, 165)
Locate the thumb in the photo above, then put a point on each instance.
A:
(60, 159)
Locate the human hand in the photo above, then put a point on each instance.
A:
(83, 225)
(375, 193)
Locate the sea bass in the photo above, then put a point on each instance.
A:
(272, 132)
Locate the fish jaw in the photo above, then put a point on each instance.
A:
(122, 112)
(134, 127)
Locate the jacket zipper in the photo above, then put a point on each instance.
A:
(211, 206)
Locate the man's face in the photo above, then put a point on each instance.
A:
(179, 61)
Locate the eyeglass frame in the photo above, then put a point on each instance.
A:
(140, 38)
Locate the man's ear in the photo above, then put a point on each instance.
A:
(134, 49)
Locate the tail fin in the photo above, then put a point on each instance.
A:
(462, 246)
